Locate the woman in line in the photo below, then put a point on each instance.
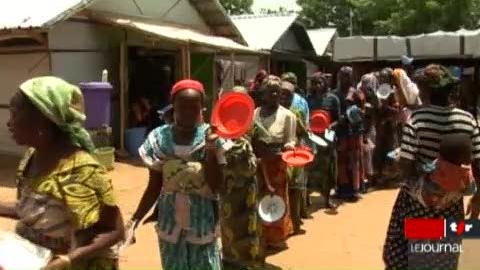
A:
(185, 162)
(349, 136)
(322, 172)
(369, 86)
(254, 91)
(296, 176)
(386, 126)
(420, 144)
(273, 132)
(65, 203)
(293, 79)
(239, 203)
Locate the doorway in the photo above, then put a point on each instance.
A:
(151, 76)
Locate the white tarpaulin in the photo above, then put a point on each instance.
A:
(357, 48)
(391, 47)
(437, 45)
(472, 42)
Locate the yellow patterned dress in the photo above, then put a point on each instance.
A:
(240, 228)
(53, 207)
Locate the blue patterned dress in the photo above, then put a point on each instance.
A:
(297, 176)
(187, 223)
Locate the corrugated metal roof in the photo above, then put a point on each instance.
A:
(175, 33)
(321, 38)
(37, 13)
(262, 31)
(216, 16)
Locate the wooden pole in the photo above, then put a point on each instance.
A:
(232, 61)
(188, 61)
(182, 62)
(269, 64)
(216, 85)
(50, 63)
(185, 61)
(123, 90)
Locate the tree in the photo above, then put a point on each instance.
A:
(399, 17)
(237, 7)
(326, 13)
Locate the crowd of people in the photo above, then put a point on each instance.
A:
(376, 128)
(395, 124)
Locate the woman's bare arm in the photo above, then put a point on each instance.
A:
(408, 169)
(150, 195)
(108, 231)
(7, 210)
(214, 172)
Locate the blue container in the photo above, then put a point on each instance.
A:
(134, 138)
(97, 103)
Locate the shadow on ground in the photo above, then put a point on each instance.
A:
(123, 157)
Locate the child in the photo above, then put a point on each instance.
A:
(449, 177)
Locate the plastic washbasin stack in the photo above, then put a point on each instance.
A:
(97, 98)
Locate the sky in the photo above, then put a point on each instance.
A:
(274, 4)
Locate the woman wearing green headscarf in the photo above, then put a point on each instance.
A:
(65, 203)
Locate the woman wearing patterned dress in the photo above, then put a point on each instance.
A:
(349, 144)
(65, 203)
(273, 132)
(239, 204)
(422, 135)
(186, 161)
(322, 172)
(297, 176)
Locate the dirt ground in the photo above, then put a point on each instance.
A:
(349, 239)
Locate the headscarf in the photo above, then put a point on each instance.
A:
(272, 81)
(261, 75)
(437, 78)
(409, 93)
(63, 104)
(259, 80)
(287, 86)
(319, 77)
(345, 70)
(187, 84)
(370, 82)
(290, 77)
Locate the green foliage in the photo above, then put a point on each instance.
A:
(398, 17)
(237, 7)
(326, 13)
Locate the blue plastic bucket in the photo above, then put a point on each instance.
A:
(134, 138)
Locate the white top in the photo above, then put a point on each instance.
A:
(282, 126)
